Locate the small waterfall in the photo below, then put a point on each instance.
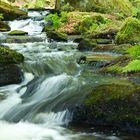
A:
(28, 25)
(46, 95)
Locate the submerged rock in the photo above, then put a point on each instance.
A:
(4, 27)
(18, 32)
(57, 36)
(21, 39)
(10, 12)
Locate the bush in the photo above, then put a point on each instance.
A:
(57, 20)
(89, 24)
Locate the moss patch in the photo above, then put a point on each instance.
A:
(17, 32)
(114, 103)
(100, 57)
(8, 56)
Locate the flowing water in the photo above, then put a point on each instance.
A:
(39, 107)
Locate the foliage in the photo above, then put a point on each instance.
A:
(89, 24)
(1, 16)
(39, 3)
(57, 20)
(67, 7)
(135, 50)
(129, 32)
(133, 66)
(104, 6)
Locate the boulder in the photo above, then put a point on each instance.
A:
(10, 12)
(4, 27)
(113, 104)
(10, 73)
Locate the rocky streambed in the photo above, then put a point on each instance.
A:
(63, 90)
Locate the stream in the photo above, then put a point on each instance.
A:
(38, 108)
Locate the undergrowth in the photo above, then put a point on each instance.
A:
(133, 66)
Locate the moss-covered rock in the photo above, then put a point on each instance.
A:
(117, 65)
(121, 49)
(8, 56)
(9, 12)
(130, 32)
(57, 36)
(10, 73)
(115, 104)
(107, 34)
(18, 32)
(86, 44)
(4, 27)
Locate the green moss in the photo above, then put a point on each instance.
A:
(10, 12)
(8, 56)
(108, 92)
(129, 33)
(114, 102)
(17, 32)
(114, 68)
(100, 57)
